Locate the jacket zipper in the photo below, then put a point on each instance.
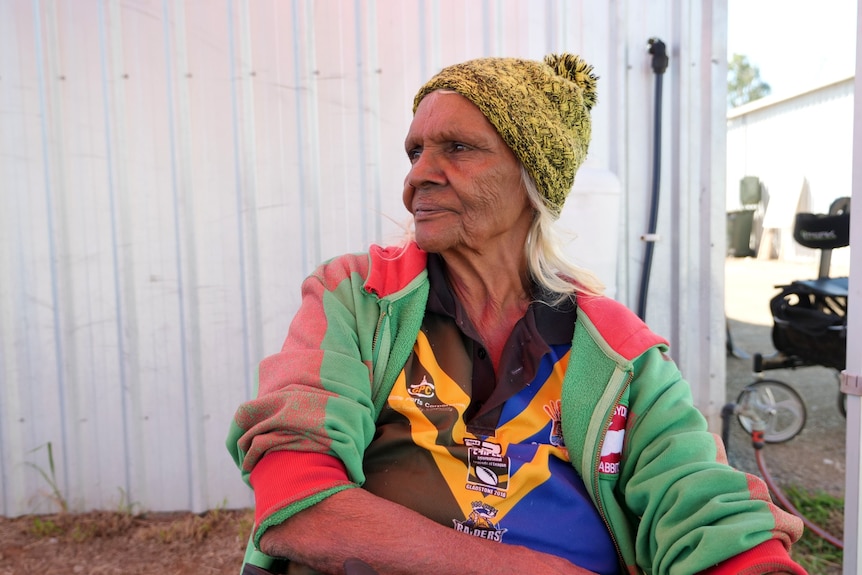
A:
(599, 504)
(378, 342)
(375, 339)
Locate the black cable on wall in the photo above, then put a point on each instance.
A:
(659, 64)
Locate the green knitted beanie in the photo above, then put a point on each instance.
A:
(541, 110)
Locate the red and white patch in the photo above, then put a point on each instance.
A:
(612, 447)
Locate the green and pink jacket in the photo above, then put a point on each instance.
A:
(671, 502)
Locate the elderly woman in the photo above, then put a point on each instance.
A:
(468, 402)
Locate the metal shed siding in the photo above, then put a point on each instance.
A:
(170, 171)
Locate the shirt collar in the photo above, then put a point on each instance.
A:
(554, 324)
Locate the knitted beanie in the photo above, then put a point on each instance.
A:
(541, 110)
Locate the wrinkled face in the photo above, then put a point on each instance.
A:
(464, 186)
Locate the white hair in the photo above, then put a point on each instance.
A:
(547, 263)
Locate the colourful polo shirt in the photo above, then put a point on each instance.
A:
(482, 451)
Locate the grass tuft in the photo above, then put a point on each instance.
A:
(81, 527)
(826, 511)
(189, 528)
(50, 477)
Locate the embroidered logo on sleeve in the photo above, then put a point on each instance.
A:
(612, 447)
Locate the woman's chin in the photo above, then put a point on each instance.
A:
(433, 241)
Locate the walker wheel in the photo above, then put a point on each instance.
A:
(776, 403)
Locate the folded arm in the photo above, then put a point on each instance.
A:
(396, 541)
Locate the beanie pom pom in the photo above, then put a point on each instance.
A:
(575, 69)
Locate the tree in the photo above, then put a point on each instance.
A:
(743, 82)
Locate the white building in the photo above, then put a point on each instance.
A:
(800, 147)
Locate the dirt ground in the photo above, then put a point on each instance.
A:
(182, 543)
(115, 543)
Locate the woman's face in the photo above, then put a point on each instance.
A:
(464, 186)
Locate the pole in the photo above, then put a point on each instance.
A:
(851, 380)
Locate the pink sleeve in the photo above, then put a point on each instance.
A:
(284, 477)
(768, 557)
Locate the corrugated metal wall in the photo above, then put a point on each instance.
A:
(170, 170)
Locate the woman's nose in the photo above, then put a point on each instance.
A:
(426, 169)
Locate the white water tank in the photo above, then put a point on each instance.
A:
(590, 223)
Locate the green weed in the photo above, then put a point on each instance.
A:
(50, 478)
(45, 527)
(126, 506)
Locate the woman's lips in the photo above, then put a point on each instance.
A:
(427, 211)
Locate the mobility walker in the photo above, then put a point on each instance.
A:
(809, 329)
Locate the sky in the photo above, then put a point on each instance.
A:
(796, 44)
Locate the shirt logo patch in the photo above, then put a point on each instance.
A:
(488, 468)
(480, 522)
(554, 411)
(424, 389)
(612, 447)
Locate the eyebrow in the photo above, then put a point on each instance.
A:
(471, 137)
